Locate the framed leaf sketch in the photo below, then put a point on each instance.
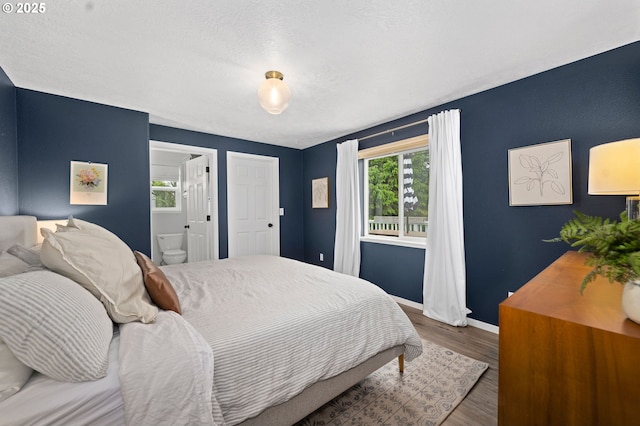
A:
(88, 183)
(320, 193)
(540, 174)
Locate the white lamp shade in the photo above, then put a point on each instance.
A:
(274, 95)
(614, 168)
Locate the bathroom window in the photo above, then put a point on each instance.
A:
(165, 195)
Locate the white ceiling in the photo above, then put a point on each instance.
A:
(350, 65)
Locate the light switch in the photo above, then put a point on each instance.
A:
(281, 211)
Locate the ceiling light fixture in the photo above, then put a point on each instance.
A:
(274, 93)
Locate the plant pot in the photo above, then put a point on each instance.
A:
(631, 301)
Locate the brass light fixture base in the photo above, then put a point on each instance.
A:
(274, 74)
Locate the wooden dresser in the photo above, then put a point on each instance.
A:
(565, 358)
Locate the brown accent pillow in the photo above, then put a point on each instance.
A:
(160, 289)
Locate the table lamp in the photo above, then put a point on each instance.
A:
(614, 169)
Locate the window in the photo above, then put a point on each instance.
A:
(165, 195)
(396, 194)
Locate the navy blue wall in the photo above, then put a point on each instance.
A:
(8, 147)
(54, 130)
(290, 160)
(592, 101)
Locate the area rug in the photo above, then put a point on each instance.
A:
(429, 390)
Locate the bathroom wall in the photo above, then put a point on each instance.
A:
(167, 222)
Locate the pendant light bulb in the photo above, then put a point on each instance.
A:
(274, 94)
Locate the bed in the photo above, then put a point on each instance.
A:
(255, 340)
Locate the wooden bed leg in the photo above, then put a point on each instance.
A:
(401, 363)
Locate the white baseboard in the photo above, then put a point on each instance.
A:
(409, 303)
(472, 322)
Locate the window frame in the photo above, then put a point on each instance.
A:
(177, 190)
(397, 149)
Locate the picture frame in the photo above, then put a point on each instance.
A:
(88, 183)
(541, 174)
(320, 193)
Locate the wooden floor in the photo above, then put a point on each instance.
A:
(480, 407)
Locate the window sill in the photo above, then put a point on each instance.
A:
(394, 242)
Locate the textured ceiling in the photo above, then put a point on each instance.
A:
(350, 65)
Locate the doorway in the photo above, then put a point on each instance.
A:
(253, 204)
(189, 174)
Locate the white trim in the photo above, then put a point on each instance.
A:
(392, 241)
(416, 143)
(409, 303)
(483, 326)
(213, 188)
(471, 322)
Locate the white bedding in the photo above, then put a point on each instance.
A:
(258, 313)
(166, 374)
(45, 402)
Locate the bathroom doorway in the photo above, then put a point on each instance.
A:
(184, 198)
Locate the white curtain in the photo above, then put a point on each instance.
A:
(444, 287)
(347, 243)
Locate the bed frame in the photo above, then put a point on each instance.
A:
(319, 393)
(24, 230)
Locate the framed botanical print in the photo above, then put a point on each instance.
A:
(540, 174)
(88, 183)
(320, 193)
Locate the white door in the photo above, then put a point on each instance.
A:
(253, 204)
(198, 214)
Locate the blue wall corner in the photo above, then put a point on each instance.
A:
(8, 147)
(54, 130)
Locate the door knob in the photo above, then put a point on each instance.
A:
(270, 225)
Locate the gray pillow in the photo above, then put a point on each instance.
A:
(28, 256)
(55, 326)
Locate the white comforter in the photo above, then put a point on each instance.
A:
(274, 326)
(166, 374)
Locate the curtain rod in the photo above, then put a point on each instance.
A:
(394, 129)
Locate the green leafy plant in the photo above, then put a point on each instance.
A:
(614, 245)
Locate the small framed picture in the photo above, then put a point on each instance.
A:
(88, 183)
(540, 174)
(320, 193)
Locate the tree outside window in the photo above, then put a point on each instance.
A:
(165, 195)
(398, 193)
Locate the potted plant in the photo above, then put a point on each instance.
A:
(615, 249)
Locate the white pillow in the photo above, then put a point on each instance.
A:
(55, 326)
(11, 265)
(13, 373)
(103, 264)
(28, 256)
